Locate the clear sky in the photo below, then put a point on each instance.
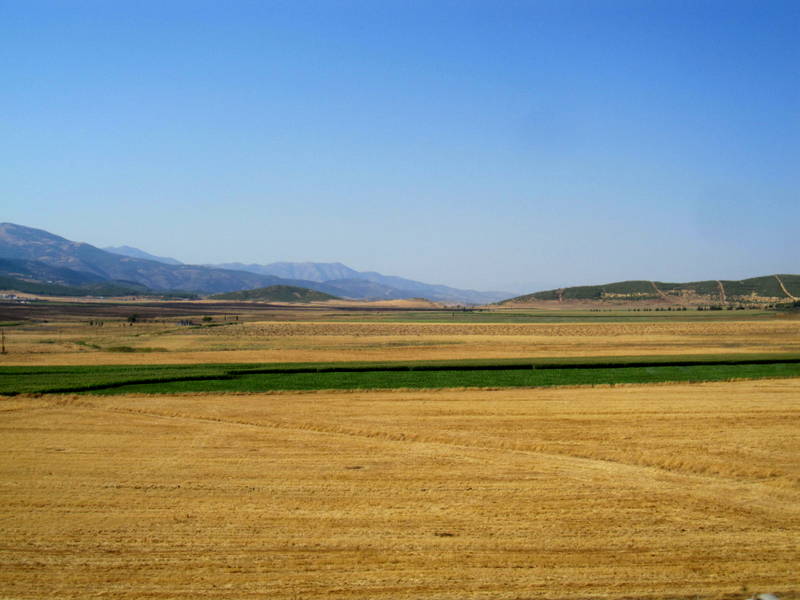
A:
(491, 145)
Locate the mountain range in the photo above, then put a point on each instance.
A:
(36, 261)
(39, 256)
(136, 253)
(342, 280)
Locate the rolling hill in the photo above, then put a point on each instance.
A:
(768, 289)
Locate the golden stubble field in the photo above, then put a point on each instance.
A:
(75, 342)
(668, 491)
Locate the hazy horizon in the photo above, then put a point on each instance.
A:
(473, 144)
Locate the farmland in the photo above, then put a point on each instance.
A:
(394, 375)
(292, 336)
(305, 453)
(682, 491)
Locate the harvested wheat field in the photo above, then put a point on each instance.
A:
(74, 343)
(663, 491)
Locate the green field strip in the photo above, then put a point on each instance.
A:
(383, 375)
(82, 378)
(433, 379)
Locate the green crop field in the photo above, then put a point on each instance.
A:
(462, 379)
(389, 375)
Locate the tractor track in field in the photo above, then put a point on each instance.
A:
(659, 292)
(722, 296)
(715, 492)
(783, 287)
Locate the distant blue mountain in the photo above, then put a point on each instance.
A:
(136, 253)
(20, 243)
(310, 271)
(344, 281)
(43, 256)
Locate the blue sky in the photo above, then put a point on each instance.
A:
(505, 145)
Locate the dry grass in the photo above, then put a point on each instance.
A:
(680, 491)
(76, 343)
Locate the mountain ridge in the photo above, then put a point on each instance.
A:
(129, 264)
(309, 271)
(348, 281)
(30, 255)
(137, 253)
(26, 243)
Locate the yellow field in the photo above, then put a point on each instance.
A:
(74, 342)
(670, 491)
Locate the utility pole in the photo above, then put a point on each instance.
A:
(2, 341)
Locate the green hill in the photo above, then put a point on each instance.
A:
(277, 293)
(769, 289)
